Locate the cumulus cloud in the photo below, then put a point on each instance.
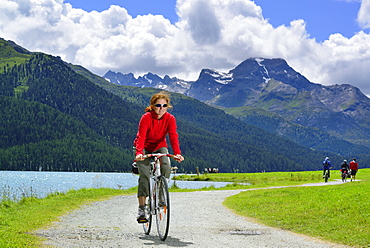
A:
(203, 23)
(217, 34)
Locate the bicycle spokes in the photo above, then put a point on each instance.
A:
(163, 208)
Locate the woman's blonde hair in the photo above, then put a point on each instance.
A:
(161, 95)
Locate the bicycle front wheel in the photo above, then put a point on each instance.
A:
(162, 208)
(148, 211)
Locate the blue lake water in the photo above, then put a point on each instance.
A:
(17, 184)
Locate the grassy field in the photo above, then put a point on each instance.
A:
(338, 213)
(19, 219)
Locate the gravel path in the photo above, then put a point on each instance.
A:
(198, 219)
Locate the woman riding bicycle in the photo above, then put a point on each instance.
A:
(153, 128)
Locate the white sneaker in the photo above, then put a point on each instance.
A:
(141, 218)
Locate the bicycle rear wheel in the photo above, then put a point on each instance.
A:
(162, 208)
(326, 176)
(148, 225)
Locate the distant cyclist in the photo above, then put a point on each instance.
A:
(326, 166)
(344, 167)
(353, 166)
(154, 126)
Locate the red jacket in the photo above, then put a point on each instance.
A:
(353, 165)
(152, 133)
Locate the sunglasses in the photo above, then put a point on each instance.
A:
(161, 105)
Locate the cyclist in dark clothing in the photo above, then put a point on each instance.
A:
(344, 167)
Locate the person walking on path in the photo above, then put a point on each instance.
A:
(154, 126)
(353, 166)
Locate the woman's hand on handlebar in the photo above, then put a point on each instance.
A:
(179, 158)
(140, 157)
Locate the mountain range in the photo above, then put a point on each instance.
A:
(61, 117)
(269, 94)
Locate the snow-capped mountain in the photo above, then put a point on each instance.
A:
(272, 85)
(149, 80)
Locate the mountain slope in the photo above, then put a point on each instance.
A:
(305, 136)
(34, 136)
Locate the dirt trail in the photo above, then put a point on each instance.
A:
(198, 219)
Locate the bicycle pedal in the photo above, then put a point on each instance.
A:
(142, 221)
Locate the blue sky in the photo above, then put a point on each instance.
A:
(327, 41)
(167, 8)
(323, 17)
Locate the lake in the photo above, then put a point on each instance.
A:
(17, 184)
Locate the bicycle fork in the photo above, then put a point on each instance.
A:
(153, 186)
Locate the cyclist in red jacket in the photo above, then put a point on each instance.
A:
(153, 128)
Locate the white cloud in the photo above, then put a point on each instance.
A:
(217, 34)
(363, 17)
(203, 23)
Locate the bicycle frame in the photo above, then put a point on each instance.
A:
(155, 173)
(158, 187)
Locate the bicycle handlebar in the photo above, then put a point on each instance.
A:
(158, 155)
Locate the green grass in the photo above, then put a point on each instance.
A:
(258, 180)
(18, 220)
(10, 57)
(337, 213)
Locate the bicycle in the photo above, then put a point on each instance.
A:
(345, 175)
(326, 175)
(158, 202)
